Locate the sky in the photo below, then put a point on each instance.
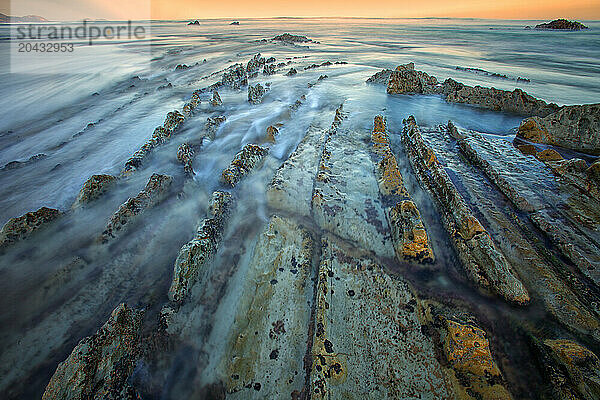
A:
(237, 9)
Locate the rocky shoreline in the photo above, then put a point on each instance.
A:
(326, 304)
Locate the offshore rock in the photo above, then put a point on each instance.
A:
(368, 338)
(381, 77)
(483, 263)
(289, 38)
(517, 101)
(154, 192)
(271, 133)
(572, 127)
(100, 365)
(94, 187)
(406, 80)
(216, 101)
(235, 77)
(212, 125)
(161, 135)
(243, 163)
(194, 255)
(269, 69)
(291, 72)
(292, 186)
(562, 24)
(266, 346)
(255, 63)
(22, 227)
(408, 231)
(185, 155)
(256, 93)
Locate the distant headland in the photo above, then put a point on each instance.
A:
(6, 19)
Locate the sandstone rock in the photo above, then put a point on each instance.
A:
(548, 155)
(243, 163)
(562, 24)
(185, 155)
(408, 231)
(483, 263)
(292, 186)
(381, 77)
(161, 134)
(194, 255)
(291, 72)
(581, 365)
(368, 339)
(527, 149)
(571, 127)
(216, 101)
(256, 93)
(272, 131)
(235, 77)
(517, 101)
(467, 350)
(572, 371)
(213, 124)
(101, 364)
(19, 228)
(94, 187)
(154, 192)
(269, 69)
(453, 131)
(406, 80)
(289, 38)
(267, 343)
(255, 63)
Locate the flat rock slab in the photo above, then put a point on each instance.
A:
(269, 336)
(346, 197)
(368, 341)
(569, 218)
(292, 186)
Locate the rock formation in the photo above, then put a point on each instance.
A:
(216, 101)
(243, 163)
(154, 192)
(572, 127)
(256, 93)
(100, 365)
(185, 155)
(562, 24)
(198, 251)
(19, 228)
(483, 263)
(94, 187)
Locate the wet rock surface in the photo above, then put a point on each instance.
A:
(357, 261)
(93, 188)
(99, 365)
(256, 93)
(20, 228)
(243, 163)
(572, 127)
(155, 191)
(483, 263)
(196, 253)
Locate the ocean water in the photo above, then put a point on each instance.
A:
(86, 112)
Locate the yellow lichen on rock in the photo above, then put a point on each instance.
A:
(468, 352)
(470, 227)
(531, 130)
(548, 155)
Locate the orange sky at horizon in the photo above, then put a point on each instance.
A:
(238, 9)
